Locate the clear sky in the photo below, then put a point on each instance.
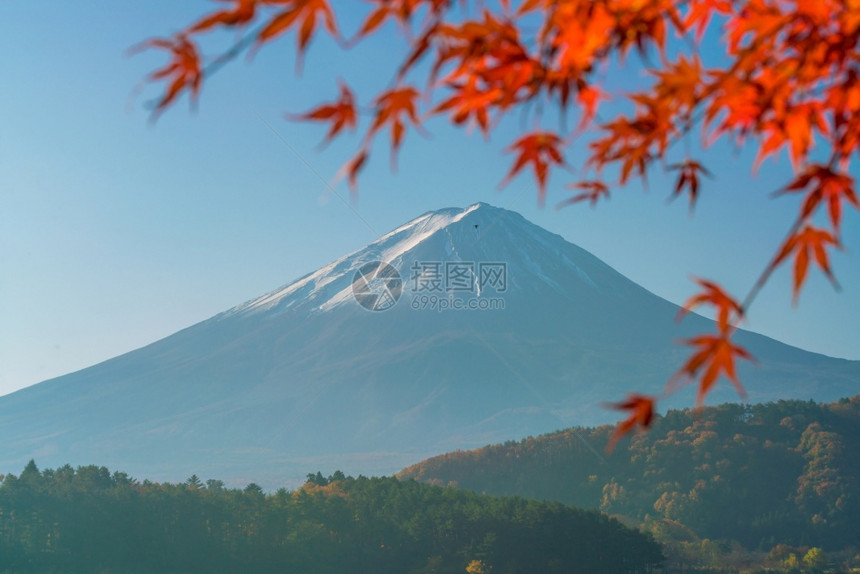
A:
(115, 233)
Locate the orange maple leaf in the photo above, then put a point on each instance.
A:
(401, 10)
(681, 82)
(641, 409)
(375, 19)
(528, 6)
(579, 33)
(737, 102)
(391, 108)
(757, 19)
(589, 98)
(827, 186)
(304, 12)
(182, 72)
(420, 47)
(700, 12)
(644, 23)
(593, 191)
(806, 240)
(727, 308)
(794, 127)
(689, 178)
(635, 142)
(470, 104)
(352, 167)
(489, 49)
(242, 13)
(341, 114)
(716, 355)
(540, 149)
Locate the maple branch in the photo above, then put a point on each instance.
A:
(240, 46)
(768, 271)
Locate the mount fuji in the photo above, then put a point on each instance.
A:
(486, 328)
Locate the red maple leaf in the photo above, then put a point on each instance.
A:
(589, 98)
(715, 356)
(727, 308)
(827, 186)
(806, 241)
(540, 150)
(352, 167)
(688, 178)
(593, 191)
(700, 12)
(182, 72)
(641, 409)
(242, 13)
(470, 103)
(303, 13)
(341, 114)
(393, 107)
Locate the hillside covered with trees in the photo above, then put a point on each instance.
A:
(763, 477)
(91, 520)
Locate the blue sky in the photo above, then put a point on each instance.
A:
(115, 233)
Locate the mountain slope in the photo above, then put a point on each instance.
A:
(304, 378)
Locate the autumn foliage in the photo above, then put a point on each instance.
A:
(790, 81)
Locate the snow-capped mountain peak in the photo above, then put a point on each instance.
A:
(479, 233)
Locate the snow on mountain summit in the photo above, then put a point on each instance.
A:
(333, 281)
(477, 233)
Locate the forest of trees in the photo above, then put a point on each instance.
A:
(751, 488)
(91, 520)
(778, 478)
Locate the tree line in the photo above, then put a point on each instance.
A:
(88, 519)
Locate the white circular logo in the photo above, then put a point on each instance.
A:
(377, 286)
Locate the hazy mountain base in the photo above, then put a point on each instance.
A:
(735, 487)
(89, 520)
